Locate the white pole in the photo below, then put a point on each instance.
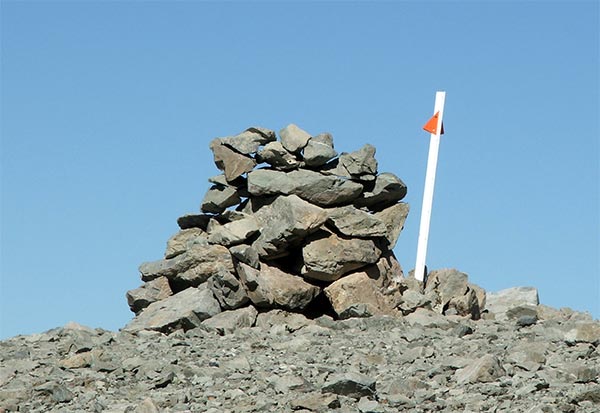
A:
(434, 146)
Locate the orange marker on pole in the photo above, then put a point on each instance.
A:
(435, 127)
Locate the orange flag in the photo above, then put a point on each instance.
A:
(432, 124)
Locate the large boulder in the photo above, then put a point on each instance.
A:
(453, 293)
(361, 162)
(218, 198)
(182, 240)
(358, 295)
(184, 310)
(271, 287)
(192, 267)
(284, 222)
(327, 256)
(228, 290)
(234, 232)
(319, 189)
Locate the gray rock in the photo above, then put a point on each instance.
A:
(246, 254)
(228, 290)
(193, 267)
(270, 287)
(365, 405)
(360, 162)
(584, 332)
(228, 322)
(218, 198)
(316, 188)
(58, 392)
(234, 232)
(277, 156)
(194, 221)
(387, 190)
(354, 222)
(319, 150)
(179, 243)
(502, 301)
(393, 218)
(232, 163)
(293, 138)
(289, 321)
(146, 406)
(357, 295)
(249, 141)
(316, 402)
(483, 370)
(327, 257)
(427, 318)
(324, 190)
(351, 384)
(150, 292)
(184, 310)
(453, 292)
(285, 222)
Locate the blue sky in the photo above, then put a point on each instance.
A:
(108, 109)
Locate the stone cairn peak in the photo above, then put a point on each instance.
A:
(290, 224)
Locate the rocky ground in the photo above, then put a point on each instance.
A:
(418, 363)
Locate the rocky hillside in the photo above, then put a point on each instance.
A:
(283, 294)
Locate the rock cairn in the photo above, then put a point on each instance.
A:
(292, 225)
(288, 224)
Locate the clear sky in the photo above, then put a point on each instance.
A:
(108, 109)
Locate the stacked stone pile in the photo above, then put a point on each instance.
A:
(289, 224)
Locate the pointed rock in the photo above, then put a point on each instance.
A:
(483, 370)
(180, 242)
(501, 301)
(393, 218)
(293, 138)
(232, 163)
(360, 162)
(249, 141)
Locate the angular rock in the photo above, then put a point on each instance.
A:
(232, 163)
(502, 301)
(228, 322)
(234, 232)
(584, 332)
(354, 222)
(316, 188)
(387, 190)
(427, 318)
(179, 243)
(271, 287)
(228, 290)
(150, 292)
(350, 384)
(193, 267)
(319, 150)
(290, 321)
(360, 162)
(218, 198)
(324, 190)
(316, 402)
(184, 310)
(249, 141)
(387, 271)
(194, 221)
(246, 254)
(293, 138)
(393, 218)
(146, 406)
(327, 257)
(483, 370)
(277, 156)
(453, 292)
(357, 295)
(284, 222)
